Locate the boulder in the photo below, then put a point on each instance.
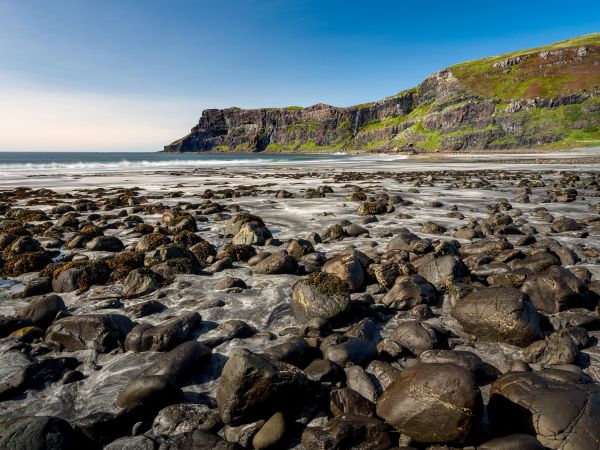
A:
(498, 314)
(278, 263)
(42, 311)
(105, 244)
(181, 362)
(433, 403)
(252, 387)
(145, 337)
(557, 407)
(348, 269)
(40, 433)
(102, 332)
(557, 289)
(415, 336)
(141, 282)
(348, 432)
(251, 233)
(441, 270)
(319, 295)
(410, 291)
(148, 392)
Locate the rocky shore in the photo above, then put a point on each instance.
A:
(304, 308)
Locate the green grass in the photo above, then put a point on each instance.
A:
(534, 77)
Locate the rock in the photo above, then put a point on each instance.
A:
(179, 363)
(498, 314)
(323, 370)
(410, 291)
(40, 433)
(131, 443)
(242, 434)
(152, 241)
(271, 433)
(36, 374)
(348, 269)
(145, 337)
(102, 332)
(141, 282)
(231, 283)
(555, 350)
(343, 350)
(432, 228)
(145, 308)
(234, 226)
(552, 405)
(297, 248)
(197, 440)
(403, 240)
(148, 392)
(488, 246)
(228, 330)
(25, 263)
(442, 270)
(512, 442)
(35, 286)
(557, 289)
(185, 417)
(334, 233)
(237, 252)
(433, 403)
(105, 244)
(295, 351)
(358, 380)
(349, 433)
(385, 273)
(67, 281)
(203, 251)
(277, 263)
(252, 387)
(468, 360)
(251, 233)
(23, 244)
(563, 224)
(42, 311)
(170, 253)
(415, 336)
(347, 401)
(373, 208)
(320, 295)
(535, 263)
(355, 230)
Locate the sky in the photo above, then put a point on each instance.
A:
(128, 75)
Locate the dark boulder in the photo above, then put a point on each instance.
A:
(319, 295)
(498, 314)
(252, 387)
(553, 405)
(145, 337)
(102, 332)
(42, 311)
(433, 403)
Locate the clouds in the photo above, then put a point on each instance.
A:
(41, 119)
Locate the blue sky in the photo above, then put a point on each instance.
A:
(133, 75)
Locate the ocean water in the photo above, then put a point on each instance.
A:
(91, 162)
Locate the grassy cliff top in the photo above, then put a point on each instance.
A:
(550, 71)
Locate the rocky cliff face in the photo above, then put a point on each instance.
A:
(545, 97)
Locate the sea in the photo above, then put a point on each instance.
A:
(93, 162)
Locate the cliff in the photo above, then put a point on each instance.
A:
(547, 97)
